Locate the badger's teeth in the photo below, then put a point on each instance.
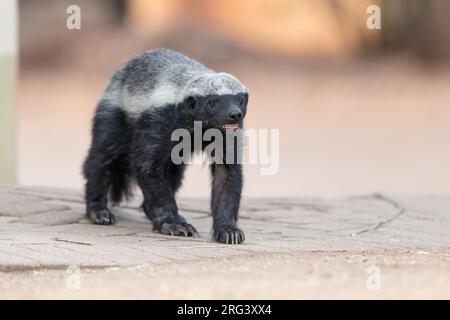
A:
(230, 126)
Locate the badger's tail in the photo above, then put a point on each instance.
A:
(120, 180)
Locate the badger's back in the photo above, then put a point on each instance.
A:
(151, 80)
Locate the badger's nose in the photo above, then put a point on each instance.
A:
(235, 115)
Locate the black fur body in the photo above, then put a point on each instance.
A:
(146, 100)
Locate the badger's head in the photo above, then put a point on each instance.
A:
(219, 100)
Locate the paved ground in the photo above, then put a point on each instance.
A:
(295, 248)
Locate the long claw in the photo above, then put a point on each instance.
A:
(177, 229)
(230, 235)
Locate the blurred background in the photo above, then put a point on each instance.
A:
(358, 110)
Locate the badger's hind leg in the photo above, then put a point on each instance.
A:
(106, 167)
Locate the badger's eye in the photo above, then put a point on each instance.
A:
(242, 102)
(212, 103)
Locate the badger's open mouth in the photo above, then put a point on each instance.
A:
(230, 126)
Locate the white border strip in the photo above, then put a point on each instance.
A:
(8, 27)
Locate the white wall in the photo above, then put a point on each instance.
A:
(8, 67)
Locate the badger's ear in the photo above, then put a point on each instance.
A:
(246, 96)
(190, 102)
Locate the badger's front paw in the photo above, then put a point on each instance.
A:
(103, 216)
(177, 228)
(229, 235)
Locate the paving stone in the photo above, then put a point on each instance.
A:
(47, 228)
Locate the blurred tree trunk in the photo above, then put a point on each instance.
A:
(417, 26)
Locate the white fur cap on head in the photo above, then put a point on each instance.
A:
(213, 84)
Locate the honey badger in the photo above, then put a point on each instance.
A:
(145, 101)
